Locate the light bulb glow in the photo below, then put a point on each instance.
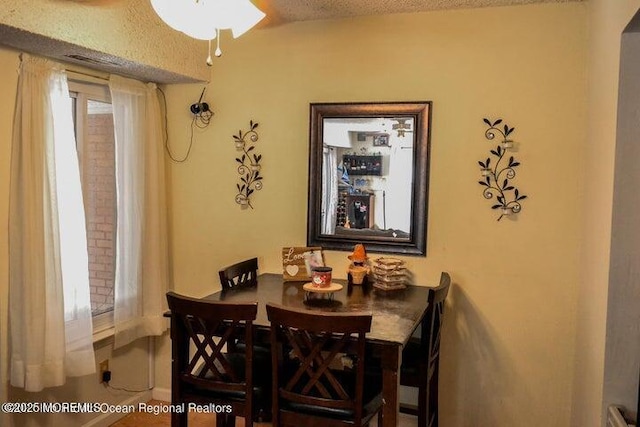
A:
(201, 19)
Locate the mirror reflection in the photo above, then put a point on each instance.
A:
(367, 174)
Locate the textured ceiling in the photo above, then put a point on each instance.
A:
(283, 11)
(56, 44)
(72, 53)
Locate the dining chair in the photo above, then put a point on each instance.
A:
(244, 273)
(209, 374)
(421, 358)
(318, 369)
(240, 275)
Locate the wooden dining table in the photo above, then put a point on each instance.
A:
(395, 316)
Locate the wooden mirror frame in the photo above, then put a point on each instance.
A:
(420, 111)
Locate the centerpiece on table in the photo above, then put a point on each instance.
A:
(358, 270)
(390, 274)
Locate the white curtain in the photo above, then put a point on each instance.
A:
(142, 271)
(329, 190)
(48, 269)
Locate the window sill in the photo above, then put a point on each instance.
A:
(103, 327)
(103, 335)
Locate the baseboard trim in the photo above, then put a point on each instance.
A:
(105, 420)
(163, 394)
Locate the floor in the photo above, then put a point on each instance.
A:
(142, 419)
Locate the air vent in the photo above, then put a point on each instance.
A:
(98, 61)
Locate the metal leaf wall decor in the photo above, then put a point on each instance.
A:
(498, 172)
(249, 165)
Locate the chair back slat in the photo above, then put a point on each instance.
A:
(244, 273)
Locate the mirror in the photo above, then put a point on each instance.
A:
(368, 176)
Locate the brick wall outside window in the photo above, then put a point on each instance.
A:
(100, 204)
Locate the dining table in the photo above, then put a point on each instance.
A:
(395, 316)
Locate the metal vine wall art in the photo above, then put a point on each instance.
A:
(497, 175)
(249, 165)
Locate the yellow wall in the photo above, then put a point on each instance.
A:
(606, 22)
(508, 349)
(524, 338)
(8, 82)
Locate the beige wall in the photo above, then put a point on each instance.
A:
(606, 22)
(8, 82)
(509, 338)
(529, 305)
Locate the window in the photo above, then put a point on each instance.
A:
(93, 118)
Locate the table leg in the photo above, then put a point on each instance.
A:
(390, 384)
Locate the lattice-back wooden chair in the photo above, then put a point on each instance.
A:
(318, 369)
(240, 275)
(421, 358)
(211, 375)
(244, 273)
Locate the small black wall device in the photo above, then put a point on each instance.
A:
(200, 107)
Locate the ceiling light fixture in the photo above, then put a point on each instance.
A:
(203, 19)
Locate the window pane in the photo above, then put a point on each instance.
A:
(100, 202)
